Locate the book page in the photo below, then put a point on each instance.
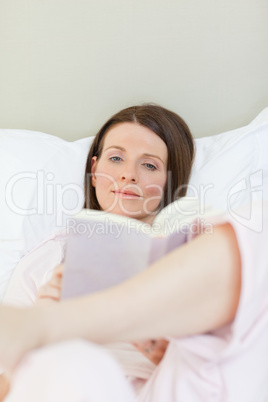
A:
(104, 250)
(103, 259)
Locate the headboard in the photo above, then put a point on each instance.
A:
(66, 65)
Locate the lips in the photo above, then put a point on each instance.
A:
(126, 194)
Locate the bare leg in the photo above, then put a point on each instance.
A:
(192, 290)
(20, 331)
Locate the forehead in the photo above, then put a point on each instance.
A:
(133, 136)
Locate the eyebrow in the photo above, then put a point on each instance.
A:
(124, 150)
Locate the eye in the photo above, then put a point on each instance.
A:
(115, 158)
(150, 166)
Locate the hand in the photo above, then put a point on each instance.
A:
(153, 349)
(51, 291)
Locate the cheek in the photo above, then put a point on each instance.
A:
(103, 182)
(105, 175)
(156, 188)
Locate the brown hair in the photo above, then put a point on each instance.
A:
(171, 128)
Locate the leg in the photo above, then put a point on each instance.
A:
(192, 290)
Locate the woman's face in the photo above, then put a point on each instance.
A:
(130, 175)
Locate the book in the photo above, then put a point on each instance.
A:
(104, 249)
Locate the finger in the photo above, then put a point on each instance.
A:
(48, 291)
(153, 349)
(59, 270)
(150, 344)
(55, 282)
(162, 344)
(145, 344)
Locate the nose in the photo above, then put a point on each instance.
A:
(127, 178)
(124, 178)
(129, 175)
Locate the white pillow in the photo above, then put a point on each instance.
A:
(231, 168)
(225, 163)
(31, 211)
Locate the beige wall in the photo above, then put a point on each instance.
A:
(67, 65)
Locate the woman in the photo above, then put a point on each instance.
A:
(193, 290)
